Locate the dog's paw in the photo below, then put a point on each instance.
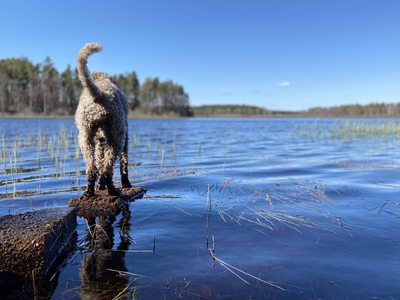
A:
(100, 187)
(88, 193)
(126, 185)
(114, 192)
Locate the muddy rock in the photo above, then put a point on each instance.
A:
(31, 242)
(103, 204)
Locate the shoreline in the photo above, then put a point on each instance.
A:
(218, 116)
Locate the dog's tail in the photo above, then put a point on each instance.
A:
(83, 71)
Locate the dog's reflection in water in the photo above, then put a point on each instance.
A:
(101, 265)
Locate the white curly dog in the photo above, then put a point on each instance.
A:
(101, 118)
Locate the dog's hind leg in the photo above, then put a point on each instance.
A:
(86, 143)
(108, 165)
(124, 165)
(99, 153)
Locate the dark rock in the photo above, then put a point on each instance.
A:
(32, 241)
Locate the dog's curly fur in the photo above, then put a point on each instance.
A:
(101, 118)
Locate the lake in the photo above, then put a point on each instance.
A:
(235, 208)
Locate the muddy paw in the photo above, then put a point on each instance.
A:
(127, 185)
(114, 192)
(100, 187)
(88, 193)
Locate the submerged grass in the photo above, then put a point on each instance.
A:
(266, 210)
(236, 271)
(353, 164)
(350, 129)
(286, 204)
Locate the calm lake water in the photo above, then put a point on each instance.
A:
(235, 208)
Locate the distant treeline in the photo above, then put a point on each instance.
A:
(29, 89)
(370, 110)
(229, 110)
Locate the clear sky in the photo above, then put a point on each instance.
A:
(278, 54)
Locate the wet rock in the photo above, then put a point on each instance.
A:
(30, 243)
(102, 204)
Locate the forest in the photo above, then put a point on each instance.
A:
(230, 111)
(39, 89)
(377, 110)
(28, 89)
(371, 110)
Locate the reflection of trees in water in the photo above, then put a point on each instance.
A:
(100, 264)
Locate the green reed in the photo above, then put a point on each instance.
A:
(39, 147)
(77, 159)
(3, 148)
(53, 148)
(162, 156)
(136, 140)
(15, 188)
(174, 148)
(63, 137)
(15, 150)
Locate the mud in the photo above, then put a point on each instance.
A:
(103, 204)
(30, 243)
(33, 245)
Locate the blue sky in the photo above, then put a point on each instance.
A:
(282, 55)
